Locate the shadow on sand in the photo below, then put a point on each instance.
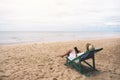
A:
(87, 71)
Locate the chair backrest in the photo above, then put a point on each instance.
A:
(90, 54)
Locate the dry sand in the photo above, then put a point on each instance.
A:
(40, 61)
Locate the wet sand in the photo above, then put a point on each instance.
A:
(41, 61)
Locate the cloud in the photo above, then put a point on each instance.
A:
(113, 23)
(57, 14)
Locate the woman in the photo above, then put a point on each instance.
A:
(74, 53)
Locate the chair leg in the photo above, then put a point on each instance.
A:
(88, 64)
(93, 62)
(77, 66)
(80, 66)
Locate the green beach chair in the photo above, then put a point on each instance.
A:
(87, 55)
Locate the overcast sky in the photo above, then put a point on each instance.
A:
(58, 15)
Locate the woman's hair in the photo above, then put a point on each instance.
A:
(76, 50)
(89, 47)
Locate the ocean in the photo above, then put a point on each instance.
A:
(11, 37)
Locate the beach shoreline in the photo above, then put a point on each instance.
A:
(47, 42)
(44, 37)
(40, 61)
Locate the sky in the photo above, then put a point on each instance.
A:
(59, 15)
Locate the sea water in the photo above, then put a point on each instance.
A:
(8, 37)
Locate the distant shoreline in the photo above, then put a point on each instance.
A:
(45, 42)
(44, 37)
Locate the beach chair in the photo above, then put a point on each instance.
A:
(87, 55)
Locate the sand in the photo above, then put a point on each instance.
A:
(41, 61)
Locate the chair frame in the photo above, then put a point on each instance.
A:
(84, 57)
